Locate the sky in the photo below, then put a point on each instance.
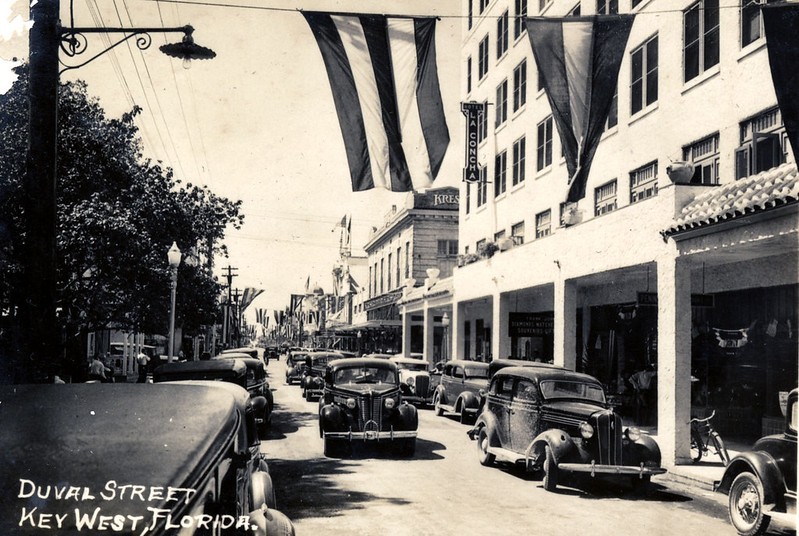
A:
(256, 123)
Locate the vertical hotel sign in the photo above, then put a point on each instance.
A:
(475, 114)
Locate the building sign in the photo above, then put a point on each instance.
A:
(383, 300)
(438, 198)
(697, 300)
(530, 324)
(647, 298)
(475, 113)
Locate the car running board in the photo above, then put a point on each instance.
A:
(506, 455)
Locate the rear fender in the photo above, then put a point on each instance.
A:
(469, 400)
(488, 421)
(765, 468)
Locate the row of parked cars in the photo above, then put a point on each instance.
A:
(547, 419)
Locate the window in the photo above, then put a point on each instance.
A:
(481, 244)
(502, 34)
(518, 22)
(469, 74)
(543, 224)
(377, 275)
(605, 198)
(482, 59)
(544, 149)
(519, 150)
(539, 81)
(399, 273)
(388, 273)
(644, 78)
(613, 114)
(500, 173)
(701, 34)
(502, 103)
(517, 233)
(520, 85)
(499, 235)
(483, 5)
(644, 182)
(607, 7)
(407, 260)
(382, 275)
(447, 248)
(575, 11)
(751, 21)
(482, 124)
(634, 3)
(470, 18)
(763, 144)
(370, 282)
(482, 188)
(542, 4)
(705, 156)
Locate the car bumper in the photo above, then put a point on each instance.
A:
(372, 435)
(595, 469)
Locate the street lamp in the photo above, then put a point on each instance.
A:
(173, 256)
(445, 324)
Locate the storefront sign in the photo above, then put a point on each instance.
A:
(474, 112)
(439, 198)
(530, 324)
(382, 301)
(697, 300)
(647, 298)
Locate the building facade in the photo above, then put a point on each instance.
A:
(681, 259)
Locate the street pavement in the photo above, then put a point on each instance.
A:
(443, 490)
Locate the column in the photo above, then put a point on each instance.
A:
(427, 333)
(500, 341)
(406, 332)
(674, 358)
(565, 328)
(456, 331)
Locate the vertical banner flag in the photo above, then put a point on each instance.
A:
(475, 113)
(384, 79)
(296, 303)
(781, 22)
(578, 60)
(249, 295)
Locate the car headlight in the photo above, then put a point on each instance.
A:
(410, 381)
(586, 430)
(351, 403)
(390, 403)
(633, 434)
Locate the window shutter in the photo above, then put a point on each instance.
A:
(768, 152)
(743, 161)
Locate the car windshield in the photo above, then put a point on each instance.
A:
(477, 372)
(318, 361)
(364, 375)
(572, 389)
(412, 366)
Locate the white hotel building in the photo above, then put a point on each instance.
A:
(698, 280)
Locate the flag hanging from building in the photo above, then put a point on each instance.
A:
(384, 79)
(249, 295)
(296, 303)
(578, 60)
(781, 22)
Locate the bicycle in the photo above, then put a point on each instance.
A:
(700, 446)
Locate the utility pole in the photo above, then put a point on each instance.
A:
(237, 313)
(226, 309)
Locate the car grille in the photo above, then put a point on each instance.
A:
(370, 409)
(422, 386)
(608, 427)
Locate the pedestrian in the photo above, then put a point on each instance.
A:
(644, 384)
(143, 361)
(97, 370)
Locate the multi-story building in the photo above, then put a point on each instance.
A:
(697, 281)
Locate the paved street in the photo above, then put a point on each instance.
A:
(443, 489)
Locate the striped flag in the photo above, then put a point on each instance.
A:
(384, 79)
(578, 59)
(780, 22)
(249, 295)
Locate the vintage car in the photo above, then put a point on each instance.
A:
(313, 377)
(414, 380)
(459, 389)
(557, 421)
(132, 458)
(251, 352)
(295, 365)
(362, 402)
(234, 368)
(761, 483)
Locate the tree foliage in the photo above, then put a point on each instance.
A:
(118, 213)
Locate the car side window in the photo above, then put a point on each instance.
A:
(525, 390)
(457, 372)
(506, 386)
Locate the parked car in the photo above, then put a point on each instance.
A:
(244, 371)
(313, 377)
(362, 402)
(379, 356)
(558, 421)
(459, 390)
(761, 483)
(94, 441)
(414, 377)
(251, 352)
(295, 365)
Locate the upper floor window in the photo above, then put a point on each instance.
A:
(575, 11)
(469, 20)
(447, 248)
(701, 35)
(544, 148)
(543, 224)
(518, 21)
(607, 7)
(482, 124)
(644, 182)
(388, 273)
(382, 274)
(399, 265)
(520, 85)
(502, 103)
(519, 151)
(644, 75)
(499, 235)
(705, 156)
(407, 260)
(502, 34)
(482, 188)
(613, 114)
(500, 173)
(542, 4)
(469, 74)
(751, 21)
(763, 144)
(634, 3)
(482, 59)
(517, 233)
(605, 198)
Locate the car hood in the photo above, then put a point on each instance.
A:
(577, 408)
(413, 373)
(359, 389)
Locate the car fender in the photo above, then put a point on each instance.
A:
(442, 394)
(331, 418)
(260, 405)
(764, 467)
(469, 400)
(262, 491)
(650, 447)
(559, 442)
(488, 421)
(408, 416)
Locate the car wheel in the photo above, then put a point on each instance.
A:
(406, 447)
(641, 484)
(466, 417)
(439, 411)
(746, 505)
(486, 458)
(335, 448)
(308, 396)
(550, 470)
(696, 446)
